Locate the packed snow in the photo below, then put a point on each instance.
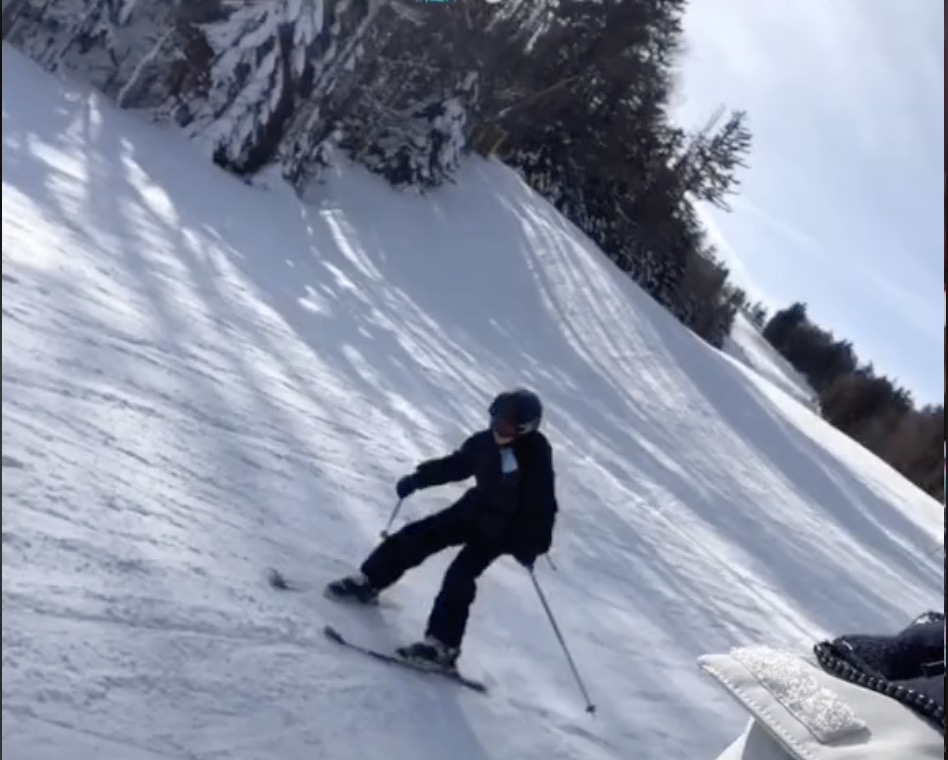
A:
(747, 345)
(203, 379)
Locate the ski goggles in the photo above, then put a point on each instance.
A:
(504, 428)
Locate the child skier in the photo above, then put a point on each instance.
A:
(511, 509)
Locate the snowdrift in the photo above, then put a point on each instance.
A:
(747, 345)
(202, 379)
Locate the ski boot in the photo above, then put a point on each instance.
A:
(353, 588)
(431, 654)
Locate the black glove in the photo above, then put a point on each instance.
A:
(406, 486)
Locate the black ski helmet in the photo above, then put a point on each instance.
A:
(516, 412)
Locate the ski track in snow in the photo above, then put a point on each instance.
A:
(202, 379)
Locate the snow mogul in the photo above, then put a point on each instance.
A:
(871, 697)
(510, 510)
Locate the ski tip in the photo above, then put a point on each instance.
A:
(479, 686)
(276, 579)
(394, 657)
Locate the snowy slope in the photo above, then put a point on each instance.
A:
(202, 378)
(748, 346)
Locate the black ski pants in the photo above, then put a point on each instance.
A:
(413, 544)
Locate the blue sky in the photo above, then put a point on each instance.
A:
(843, 203)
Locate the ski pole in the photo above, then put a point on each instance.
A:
(590, 707)
(391, 519)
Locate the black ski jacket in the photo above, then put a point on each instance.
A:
(526, 531)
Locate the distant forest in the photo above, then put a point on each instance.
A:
(574, 94)
(869, 407)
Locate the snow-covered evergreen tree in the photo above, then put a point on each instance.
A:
(420, 146)
(259, 52)
(409, 115)
(331, 84)
(118, 46)
(273, 65)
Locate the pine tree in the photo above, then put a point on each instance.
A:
(259, 53)
(710, 173)
(783, 323)
(329, 87)
(119, 46)
(418, 90)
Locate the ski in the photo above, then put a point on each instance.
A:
(392, 657)
(281, 582)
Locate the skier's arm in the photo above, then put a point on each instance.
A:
(544, 504)
(455, 467)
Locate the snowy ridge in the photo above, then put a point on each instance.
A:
(201, 379)
(750, 347)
